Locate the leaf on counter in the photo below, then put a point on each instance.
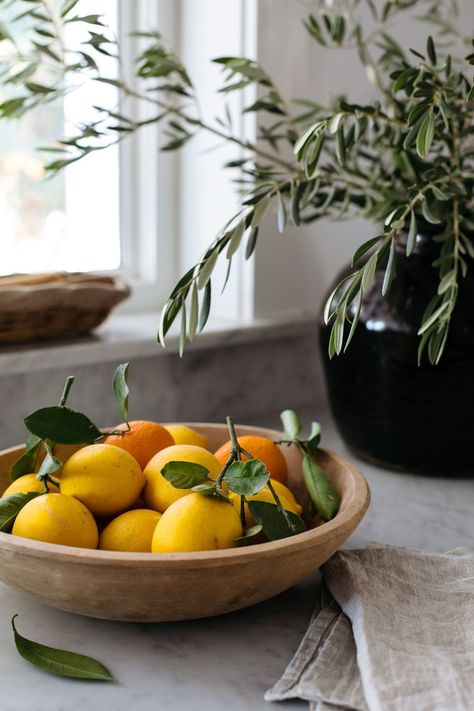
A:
(62, 425)
(58, 661)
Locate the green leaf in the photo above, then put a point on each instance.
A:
(340, 145)
(251, 243)
(26, 463)
(428, 213)
(211, 490)
(121, 389)
(433, 318)
(193, 312)
(58, 661)
(50, 464)
(206, 269)
(249, 533)
(281, 214)
(412, 232)
(448, 280)
(314, 435)
(291, 424)
(424, 137)
(261, 209)
(182, 333)
(273, 521)
(390, 268)
(321, 490)
(247, 478)
(430, 48)
(368, 273)
(360, 251)
(185, 475)
(68, 6)
(236, 238)
(10, 507)
(205, 306)
(62, 425)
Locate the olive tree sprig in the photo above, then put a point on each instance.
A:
(405, 159)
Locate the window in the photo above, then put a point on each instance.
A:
(128, 209)
(69, 222)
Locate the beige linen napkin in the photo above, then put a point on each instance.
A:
(394, 632)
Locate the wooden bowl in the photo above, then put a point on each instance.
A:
(149, 587)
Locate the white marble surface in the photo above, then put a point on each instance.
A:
(226, 662)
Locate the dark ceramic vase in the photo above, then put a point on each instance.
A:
(388, 409)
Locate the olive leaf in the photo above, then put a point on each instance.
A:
(185, 475)
(321, 490)
(121, 389)
(274, 523)
(247, 478)
(26, 463)
(59, 661)
(62, 425)
(10, 507)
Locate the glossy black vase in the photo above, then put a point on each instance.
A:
(388, 409)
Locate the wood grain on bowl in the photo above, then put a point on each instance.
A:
(179, 586)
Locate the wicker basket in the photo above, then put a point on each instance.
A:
(41, 306)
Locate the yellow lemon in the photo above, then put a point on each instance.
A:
(26, 484)
(57, 518)
(105, 478)
(186, 435)
(290, 504)
(159, 493)
(196, 523)
(131, 531)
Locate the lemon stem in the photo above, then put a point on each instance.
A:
(66, 389)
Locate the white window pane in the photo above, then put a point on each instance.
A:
(69, 222)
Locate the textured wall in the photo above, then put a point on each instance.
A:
(252, 382)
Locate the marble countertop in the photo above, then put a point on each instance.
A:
(225, 662)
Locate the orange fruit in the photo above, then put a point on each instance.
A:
(260, 448)
(142, 441)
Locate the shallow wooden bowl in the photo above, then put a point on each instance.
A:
(151, 587)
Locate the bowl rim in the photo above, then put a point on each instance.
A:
(346, 519)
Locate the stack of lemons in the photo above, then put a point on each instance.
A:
(113, 496)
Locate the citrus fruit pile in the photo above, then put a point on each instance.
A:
(148, 487)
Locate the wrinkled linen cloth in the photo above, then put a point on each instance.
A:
(394, 631)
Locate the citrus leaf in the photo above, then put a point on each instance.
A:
(184, 475)
(11, 506)
(58, 661)
(274, 523)
(62, 425)
(247, 478)
(320, 489)
(314, 435)
(121, 389)
(291, 424)
(50, 463)
(26, 463)
(248, 534)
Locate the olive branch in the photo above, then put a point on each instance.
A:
(402, 161)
